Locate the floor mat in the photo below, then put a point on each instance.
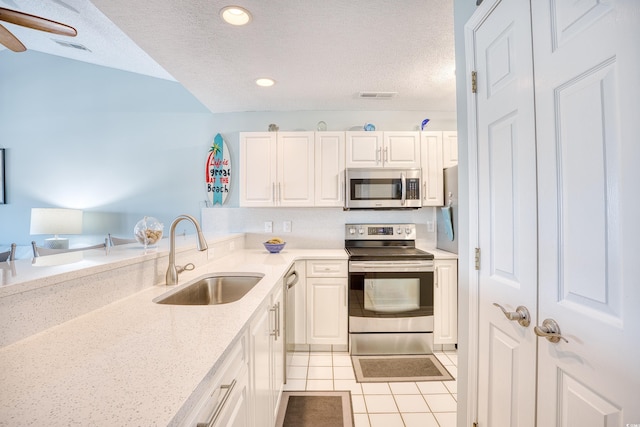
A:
(395, 368)
(315, 409)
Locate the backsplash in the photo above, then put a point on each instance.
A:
(321, 228)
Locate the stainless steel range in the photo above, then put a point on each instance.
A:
(390, 290)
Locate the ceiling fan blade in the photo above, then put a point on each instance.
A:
(36, 22)
(10, 41)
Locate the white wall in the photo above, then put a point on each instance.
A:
(121, 146)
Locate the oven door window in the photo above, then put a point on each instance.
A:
(392, 295)
(376, 189)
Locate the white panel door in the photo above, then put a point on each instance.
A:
(432, 171)
(401, 149)
(588, 113)
(257, 168)
(329, 169)
(506, 215)
(295, 185)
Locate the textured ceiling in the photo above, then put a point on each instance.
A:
(321, 53)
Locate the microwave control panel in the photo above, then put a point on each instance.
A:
(413, 189)
(380, 231)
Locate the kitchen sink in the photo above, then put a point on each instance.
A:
(212, 289)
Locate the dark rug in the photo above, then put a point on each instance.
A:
(315, 409)
(399, 368)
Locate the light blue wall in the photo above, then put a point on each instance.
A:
(116, 144)
(121, 146)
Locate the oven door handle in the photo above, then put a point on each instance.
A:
(391, 266)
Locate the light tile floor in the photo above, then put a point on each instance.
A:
(405, 404)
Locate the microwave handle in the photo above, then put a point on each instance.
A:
(403, 190)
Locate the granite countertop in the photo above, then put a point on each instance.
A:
(133, 362)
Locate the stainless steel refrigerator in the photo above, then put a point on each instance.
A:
(447, 216)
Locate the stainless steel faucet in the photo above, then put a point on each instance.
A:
(173, 270)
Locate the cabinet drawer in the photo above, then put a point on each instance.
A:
(327, 268)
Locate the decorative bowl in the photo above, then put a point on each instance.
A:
(148, 231)
(274, 248)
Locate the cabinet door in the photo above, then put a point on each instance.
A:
(260, 345)
(445, 302)
(401, 150)
(295, 183)
(329, 168)
(257, 169)
(364, 149)
(327, 311)
(449, 149)
(278, 360)
(432, 175)
(237, 414)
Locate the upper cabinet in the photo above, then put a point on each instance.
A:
(449, 148)
(257, 169)
(276, 169)
(432, 176)
(329, 169)
(383, 149)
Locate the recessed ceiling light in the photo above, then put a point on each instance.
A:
(265, 82)
(235, 15)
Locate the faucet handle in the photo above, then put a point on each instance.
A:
(188, 267)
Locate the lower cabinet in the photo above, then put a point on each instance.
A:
(445, 302)
(326, 289)
(266, 343)
(225, 399)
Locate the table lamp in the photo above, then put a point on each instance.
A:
(56, 221)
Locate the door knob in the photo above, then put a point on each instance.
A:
(521, 315)
(549, 330)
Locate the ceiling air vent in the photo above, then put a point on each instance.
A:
(377, 95)
(72, 45)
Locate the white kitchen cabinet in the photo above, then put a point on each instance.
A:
(267, 360)
(401, 150)
(278, 351)
(329, 168)
(327, 314)
(257, 169)
(382, 149)
(295, 169)
(449, 148)
(225, 396)
(276, 169)
(432, 168)
(445, 302)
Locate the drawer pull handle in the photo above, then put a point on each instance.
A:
(218, 409)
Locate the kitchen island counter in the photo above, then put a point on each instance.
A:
(133, 362)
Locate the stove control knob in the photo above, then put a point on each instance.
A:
(408, 230)
(361, 231)
(399, 230)
(352, 230)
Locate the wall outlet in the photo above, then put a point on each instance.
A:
(268, 226)
(286, 227)
(232, 245)
(430, 228)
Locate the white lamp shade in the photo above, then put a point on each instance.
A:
(56, 221)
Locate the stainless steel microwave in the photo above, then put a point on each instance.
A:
(382, 189)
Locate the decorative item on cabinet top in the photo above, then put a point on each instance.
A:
(218, 171)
